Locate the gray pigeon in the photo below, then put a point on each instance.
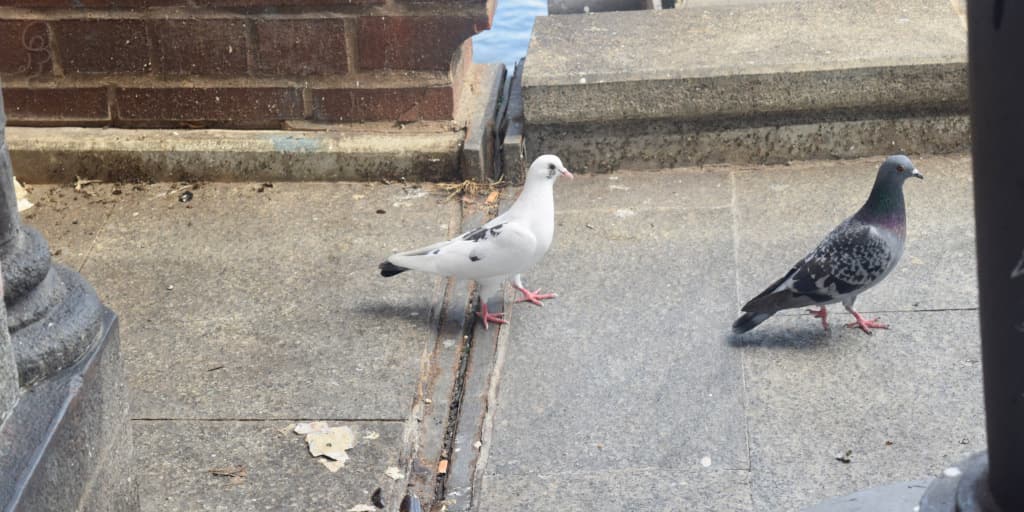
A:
(855, 256)
(505, 247)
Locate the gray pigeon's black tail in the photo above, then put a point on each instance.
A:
(388, 269)
(748, 321)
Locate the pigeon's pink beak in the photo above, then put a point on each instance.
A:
(566, 173)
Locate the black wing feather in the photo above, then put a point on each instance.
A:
(850, 258)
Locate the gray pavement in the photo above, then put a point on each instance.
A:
(629, 393)
(244, 312)
(625, 393)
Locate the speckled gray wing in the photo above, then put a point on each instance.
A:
(852, 258)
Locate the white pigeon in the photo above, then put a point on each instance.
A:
(505, 247)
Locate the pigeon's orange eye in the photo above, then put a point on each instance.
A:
(900, 168)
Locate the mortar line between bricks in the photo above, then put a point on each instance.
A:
(258, 420)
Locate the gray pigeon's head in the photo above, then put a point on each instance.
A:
(546, 168)
(896, 169)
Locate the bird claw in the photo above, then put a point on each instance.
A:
(535, 297)
(491, 317)
(867, 325)
(822, 314)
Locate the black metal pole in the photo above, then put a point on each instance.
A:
(996, 70)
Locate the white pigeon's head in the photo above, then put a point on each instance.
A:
(546, 168)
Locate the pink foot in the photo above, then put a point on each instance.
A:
(865, 325)
(822, 314)
(490, 317)
(534, 297)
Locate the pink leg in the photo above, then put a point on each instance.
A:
(865, 325)
(490, 317)
(822, 314)
(534, 297)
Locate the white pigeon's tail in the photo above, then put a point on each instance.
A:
(413, 260)
(748, 321)
(423, 259)
(388, 269)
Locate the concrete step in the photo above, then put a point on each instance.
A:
(316, 148)
(367, 152)
(747, 81)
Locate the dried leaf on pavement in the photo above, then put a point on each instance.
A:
(332, 443)
(79, 183)
(22, 196)
(327, 443)
(306, 428)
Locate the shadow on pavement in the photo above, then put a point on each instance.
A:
(808, 337)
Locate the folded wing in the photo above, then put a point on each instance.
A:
(852, 258)
(497, 248)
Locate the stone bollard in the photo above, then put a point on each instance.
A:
(8, 368)
(65, 436)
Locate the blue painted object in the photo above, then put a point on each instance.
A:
(509, 36)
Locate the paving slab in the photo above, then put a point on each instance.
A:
(905, 403)
(228, 278)
(590, 385)
(784, 212)
(699, 490)
(626, 192)
(174, 460)
(258, 302)
(70, 219)
(897, 497)
(592, 405)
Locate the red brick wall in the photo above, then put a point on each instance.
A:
(232, 63)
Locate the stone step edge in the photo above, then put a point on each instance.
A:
(810, 93)
(659, 144)
(62, 154)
